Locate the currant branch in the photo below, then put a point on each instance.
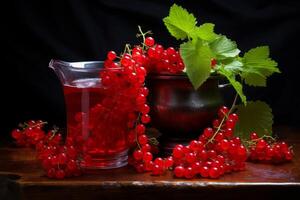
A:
(226, 114)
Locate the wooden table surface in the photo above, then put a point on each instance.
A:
(259, 181)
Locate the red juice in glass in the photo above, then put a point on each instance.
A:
(100, 133)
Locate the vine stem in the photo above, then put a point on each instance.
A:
(252, 142)
(54, 131)
(136, 135)
(143, 35)
(223, 120)
(127, 48)
(36, 124)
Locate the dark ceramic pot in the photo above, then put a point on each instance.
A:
(180, 112)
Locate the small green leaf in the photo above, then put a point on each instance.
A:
(196, 57)
(256, 116)
(235, 66)
(224, 48)
(206, 32)
(258, 66)
(180, 23)
(235, 84)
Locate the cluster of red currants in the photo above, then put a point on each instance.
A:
(153, 57)
(129, 84)
(268, 149)
(215, 153)
(143, 160)
(29, 133)
(57, 160)
(136, 63)
(159, 60)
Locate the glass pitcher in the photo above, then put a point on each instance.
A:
(101, 138)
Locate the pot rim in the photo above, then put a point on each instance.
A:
(177, 76)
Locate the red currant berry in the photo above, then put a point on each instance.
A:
(145, 119)
(230, 123)
(216, 123)
(253, 136)
(144, 109)
(204, 171)
(223, 111)
(143, 139)
(149, 41)
(146, 148)
(159, 161)
(178, 152)
(189, 173)
(60, 174)
(224, 144)
(190, 157)
(156, 170)
(234, 117)
(169, 162)
(147, 157)
(138, 155)
(16, 134)
(214, 172)
(51, 173)
(111, 55)
(261, 144)
(179, 171)
(140, 129)
(208, 132)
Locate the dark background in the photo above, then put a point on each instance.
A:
(35, 32)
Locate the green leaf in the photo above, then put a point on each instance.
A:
(180, 22)
(196, 57)
(234, 66)
(235, 84)
(258, 66)
(256, 116)
(224, 48)
(206, 32)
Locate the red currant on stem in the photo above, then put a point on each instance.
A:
(223, 111)
(143, 139)
(111, 55)
(138, 155)
(140, 129)
(149, 41)
(147, 157)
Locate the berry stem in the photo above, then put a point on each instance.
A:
(136, 134)
(33, 126)
(143, 35)
(223, 120)
(54, 131)
(127, 49)
(254, 141)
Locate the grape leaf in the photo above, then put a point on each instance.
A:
(258, 66)
(180, 22)
(235, 84)
(196, 56)
(224, 48)
(206, 32)
(256, 116)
